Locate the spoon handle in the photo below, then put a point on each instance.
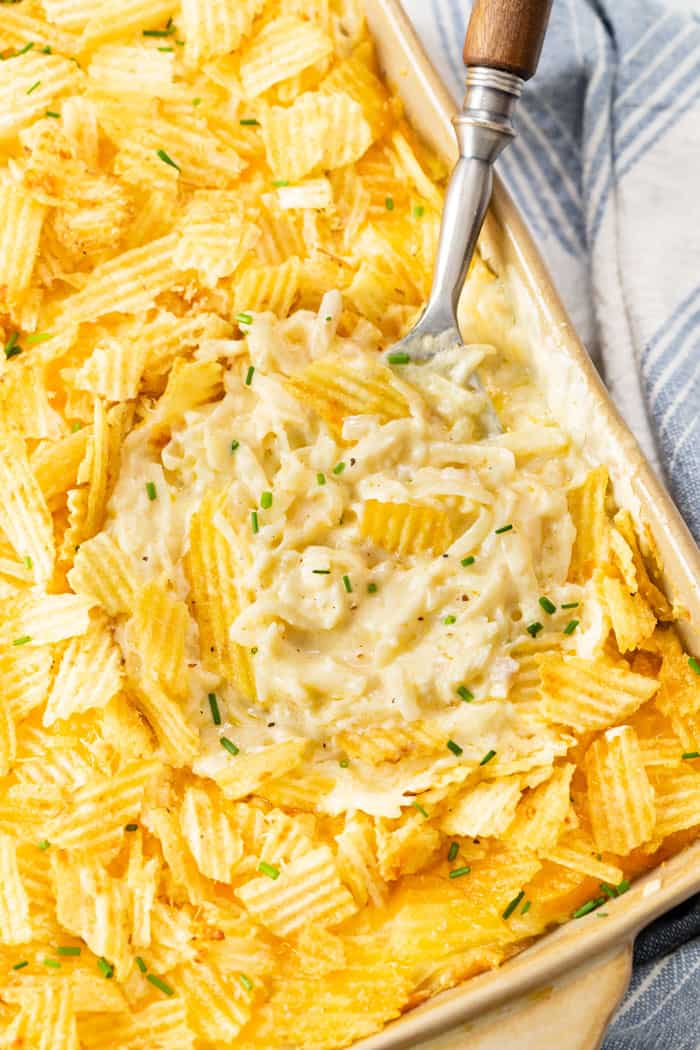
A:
(507, 35)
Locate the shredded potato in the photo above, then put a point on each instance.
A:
(315, 698)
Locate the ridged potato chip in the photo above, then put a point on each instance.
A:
(485, 809)
(273, 288)
(585, 695)
(357, 860)
(248, 773)
(587, 508)
(406, 528)
(159, 1024)
(216, 27)
(632, 618)
(14, 905)
(620, 797)
(539, 819)
(105, 574)
(24, 516)
(212, 839)
(319, 131)
(281, 50)
(89, 674)
(157, 632)
(46, 1020)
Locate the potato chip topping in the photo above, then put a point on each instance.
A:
(316, 697)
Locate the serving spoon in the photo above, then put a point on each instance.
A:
(501, 51)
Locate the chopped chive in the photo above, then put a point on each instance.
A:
(589, 906)
(534, 629)
(68, 949)
(196, 101)
(468, 561)
(465, 694)
(694, 664)
(279, 183)
(453, 851)
(398, 358)
(151, 490)
(513, 905)
(503, 528)
(449, 619)
(131, 827)
(320, 478)
(214, 706)
(168, 31)
(43, 845)
(167, 160)
(690, 754)
(12, 347)
(46, 50)
(419, 211)
(371, 588)
(235, 444)
(246, 982)
(169, 49)
(254, 650)
(571, 626)
(28, 562)
(38, 337)
(23, 50)
(455, 748)
(105, 968)
(339, 468)
(457, 873)
(21, 965)
(244, 318)
(344, 763)
(141, 964)
(22, 640)
(389, 202)
(423, 812)
(608, 890)
(33, 88)
(160, 984)
(487, 758)
(526, 907)
(249, 122)
(52, 113)
(571, 605)
(346, 584)
(266, 500)
(249, 375)
(54, 964)
(228, 745)
(548, 606)
(622, 887)
(268, 869)
(321, 572)
(254, 522)
(76, 427)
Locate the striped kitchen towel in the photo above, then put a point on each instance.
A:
(606, 168)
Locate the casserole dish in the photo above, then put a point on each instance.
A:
(582, 968)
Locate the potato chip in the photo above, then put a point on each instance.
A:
(577, 851)
(298, 789)
(162, 1025)
(55, 464)
(355, 78)
(94, 906)
(88, 675)
(587, 508)
(142, 878)
(249, 773)
(485, 809)
(14, 905)
(126, 68)
(46, 1020)
(319, 131)
(219, 1006)
(679, 685)
(307, 890)
(103, 573)
(357, 861)
(406, 848)
(215, 236)
(24, 516)
(184, 873)
(587, 695)
(157, 632)
(213, 841)
(310, 193)
(273, 288)
(540, 816)
(631, 617)
(40, 619)
(645, 585)
(408, 169)
(216, 27)
(25, 399)
(215, 603)
(167, 336)
(405, 528)
(8, 738)
(20, 25)
(177, 738)
(620, 797)
(113, 370)
(677, 800)
(22, 101)
(284, 48)
(190, 384)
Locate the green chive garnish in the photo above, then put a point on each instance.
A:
(254, 521)
(320, 479)
(571, 626)
(346, 584)
(196, 101)
(151, 490)
(694, 664)
(266, 500)
(76, 427)
(371, 588)
(228, 745)
(168, 49)
(423, 812)
(513, 905)
(141, 964)
(11, 346)
(321, 572)
(398, 358)
(249, 122)
(589, 906)
(453, 851)
(389, 202)
(487, 757)
(244, 318)
(167, 160)
(246, 982)
(38, 337)
(33, 88)
(28, 562)
(160, 984)
(22, 640)
(549, 607)
(344, 763)
(571, 605)
(52, 113)
(23, 50)
(234, 445)
(43, 845)
(53, 963)
(280, 182)
(534, 629)
(249, 375)
(457, 873)
(449, 619)
(339, 468)
(21, 965)
(214, 706)
(465, 694)
(131, 827)
(268, 869)
(68, 949)
(503, 528)
(105, 968)
(622, 887)
(419, 211)
(468, 561)
(526, 907)
(168, 31)
(455, 748)
(687, 755)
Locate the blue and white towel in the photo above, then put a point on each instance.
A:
(606, 168)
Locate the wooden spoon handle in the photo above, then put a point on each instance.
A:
(507, 35)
